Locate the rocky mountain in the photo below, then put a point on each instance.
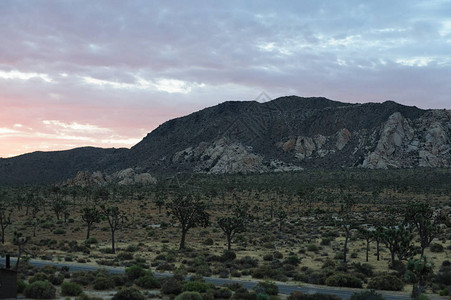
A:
(285, 134)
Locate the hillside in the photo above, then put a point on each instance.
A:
(288, 133)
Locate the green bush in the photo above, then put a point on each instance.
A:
(436, 248)
(70, 289)
(296, 295)
(367, 295)
(268, 257)
(128, 294)
(223, 293)
(189, 296)
(40, 290)
(312, 247)
(91, 241)
(243, 294)
(267, 287)
(228, 255)
(21, 285)
(343, 280)
(124, 256)
(196, 286)
(292, 260)
(102, 283)
(134, 272)
(59, 231)
(83, 296)
(38, 277)
(386, 282)
(171, 286)
(147, 281)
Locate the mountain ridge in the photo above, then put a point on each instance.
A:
(285, 134)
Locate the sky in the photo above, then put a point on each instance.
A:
(106, 73)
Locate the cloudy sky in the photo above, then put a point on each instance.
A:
(105, 73)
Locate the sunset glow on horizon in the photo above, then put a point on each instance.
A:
(106, 73)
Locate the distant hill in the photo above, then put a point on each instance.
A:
(285, 134)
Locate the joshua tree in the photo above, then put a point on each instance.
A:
(5, 217)
(115, 217)
(421, 216)
(236, 223)
(190, 212)
(422, 269)
(398, 240)
(368, 235)
(90, 215)
(347, 221)
(20, 242)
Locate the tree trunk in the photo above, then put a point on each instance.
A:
(229, 242)
(422, 251)
(392, 258)
(377, 250)
(89, 230)
(345, 250)
(3, 235)
(367, 249)
(112, 242)
(182, 241)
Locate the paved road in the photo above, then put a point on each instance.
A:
(286, 289)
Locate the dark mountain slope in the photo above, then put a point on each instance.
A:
(288, 133)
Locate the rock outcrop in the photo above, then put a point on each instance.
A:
(98, 178)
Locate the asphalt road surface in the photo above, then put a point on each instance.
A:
(286, 289)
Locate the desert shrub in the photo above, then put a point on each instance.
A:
(344, 280)
(367, 295)
(189, 296)
(21, 285)
(312, 247)
(423, 297)
(82, 278)
(386, 282)
(223, 293)
(277, 255)
(325, 241)
(196, 286)
(265, 272)
(83, 296)
(292, 260)
(228, 255)
(119, 279)
(171, 286)
(91, 241)
(56, 279)
(436, 248)
(296, 295)
(132, 248)
(130, 293)
(208, 242)
(243, 294)
(59, 231)
(70, 289)
(40, 290)
(38, 277)
(134, 272)
(147, 281)
(268, 257)
(365, 268)
(267, 287)
(354, 255)
(102, 283)
(443, 276)
(124, 256)
(262, 296)
(339, 255)
(248, 262)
